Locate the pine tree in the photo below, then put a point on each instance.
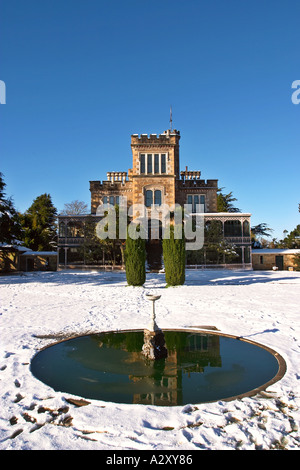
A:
(174, 256)
(297, 262)
(40, 224)
(10, 228)
(224, 202)
(292, 240)
(135, 261)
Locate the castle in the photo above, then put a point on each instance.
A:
(155, 179)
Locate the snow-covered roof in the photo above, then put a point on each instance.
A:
(39, 253)
(277, 251)
(224, 214)
(15, 247)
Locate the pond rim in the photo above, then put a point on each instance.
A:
(208, 330)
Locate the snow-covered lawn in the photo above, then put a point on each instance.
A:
(263, 306)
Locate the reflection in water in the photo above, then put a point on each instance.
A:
(192, 367)
(154, 346)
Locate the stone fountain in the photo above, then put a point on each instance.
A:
(154, 339)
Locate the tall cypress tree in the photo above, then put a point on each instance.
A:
(174, 256)
(135, 261)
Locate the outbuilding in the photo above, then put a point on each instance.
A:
(38, 261)
(276, 259)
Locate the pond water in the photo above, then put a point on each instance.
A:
(198, 368)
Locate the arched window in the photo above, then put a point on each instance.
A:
(152, 197)
(246, 228)
(62, 229)
(232, 228)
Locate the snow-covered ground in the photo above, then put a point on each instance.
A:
(262, 306)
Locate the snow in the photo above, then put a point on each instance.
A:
(38, 309)
(40, 253)
(16, 246)
(284, 251)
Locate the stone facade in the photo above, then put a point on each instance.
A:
(155, 167)
(278, 259)
(155, 181)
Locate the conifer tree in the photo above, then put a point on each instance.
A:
(40, 224)
(10, 228)
(174, 256)
(135, 261)
(225, 202)
(297, 262)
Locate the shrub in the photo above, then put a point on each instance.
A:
(135, 260)
(174, 257)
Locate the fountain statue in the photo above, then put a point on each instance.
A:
(152, 325)
(154, 339)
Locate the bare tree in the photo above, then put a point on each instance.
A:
(75, 208)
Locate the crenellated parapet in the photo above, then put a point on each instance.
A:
(169, 137)
(197, 183)
(118, 178)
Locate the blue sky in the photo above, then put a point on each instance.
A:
(82, 76)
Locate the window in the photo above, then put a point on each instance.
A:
(148, 198)
(62, 229)
(156, 163)
(163, 163)
(149, 163)
(194, 200)
(202, 201)
(261, 260)
(232, 228)
(246, 228)
(157, 197)
(113, 200)
(142, 163)
(75, 230)
(153, 163)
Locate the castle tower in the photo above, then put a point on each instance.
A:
(155, 167)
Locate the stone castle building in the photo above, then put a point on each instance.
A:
(155, 179)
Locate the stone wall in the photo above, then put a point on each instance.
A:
(266, 261)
